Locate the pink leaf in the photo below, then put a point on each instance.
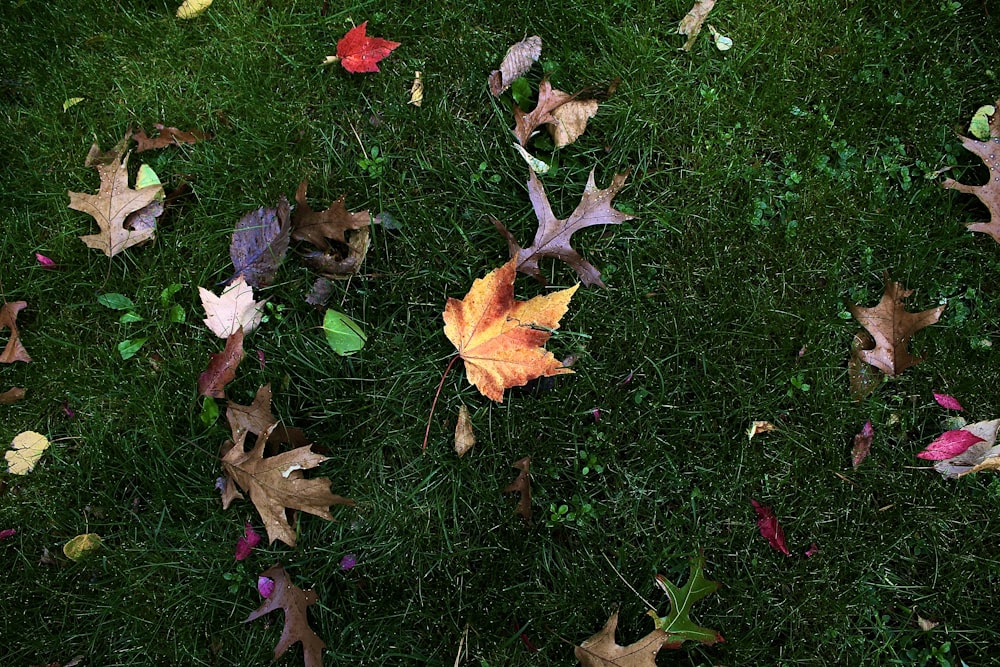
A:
(45, 261)
(265, 586)
(811, 551)
(949, 444)
(260, 358)
(769, 527)
(245, 544)
(348, 562)
(862, 444)
(8, 532)
(946, 401)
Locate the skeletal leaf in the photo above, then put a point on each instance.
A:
(516, 62)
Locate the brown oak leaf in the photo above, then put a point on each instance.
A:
(549, 99)
(989, 193)
(14, 350)
(516, 62)
(222, 367)
(321, 227)
(294, 602)
(522, 485)
(892, 327)
(553, 236)
(168, 136)
(275, 483)
(113, 204)
(260, 242)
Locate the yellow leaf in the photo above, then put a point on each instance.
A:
(25, 451)
(71, 102)
(417, 91)
(82, 546)
(192, 8)
(501, 339)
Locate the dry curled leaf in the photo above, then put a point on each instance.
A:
(690, 25)
(501, 339)
(222, 367)
(167, 136)
(464, 437)
(989, 192)
(294, 602)
(417, 90)
(516, 62)
(14, 350)
(552, 239)
(321, 227)
(758, 427)
(892, 327)
(522, 486)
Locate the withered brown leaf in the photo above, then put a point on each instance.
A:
(465, 439)
(549, 99)
(690, 25)
(167, 136)
(864, 378)
(12, 395)
(222, 367)
(321, 227)
(553, 236)
(989, 192)
(522, 485)
(14, 350)
(516, 62)
(892, 327)
(294, 602)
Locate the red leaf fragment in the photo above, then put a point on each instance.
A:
(769, 527)
(265, 586)
(359, 53)
(245, 544)
(812, 550)
(862, 444)
(947, 402)
(7, 532)
(222, 367)
(949, 444)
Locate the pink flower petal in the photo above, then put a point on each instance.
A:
(946, 401)
(260, 358)
(769, 527)
(245, 544)
(8, 532)
(348, 561)
(265, 586)
(811, 551)
(45, 261)
(948, 445)
(862, 444)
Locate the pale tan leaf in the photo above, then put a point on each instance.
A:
(516, 62)
(192, 8)
(235, 308)
(571, 120)
(26, 449)
(464, 437)
(690, 25)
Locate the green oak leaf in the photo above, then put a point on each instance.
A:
(677, 624)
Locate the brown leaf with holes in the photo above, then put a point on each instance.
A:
(892, 327)
(294, 602)
(275, 483)
(522, 485)
(335, 263)
(168, 136)
(552, 239)
(989, 192)
(549, 99)
(465, 439)
(14, 350)
(516, 62)
(222, 367)
(114, 202)
(321, 227)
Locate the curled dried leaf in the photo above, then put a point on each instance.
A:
(516, 62)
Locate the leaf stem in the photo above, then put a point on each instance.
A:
(427, 432)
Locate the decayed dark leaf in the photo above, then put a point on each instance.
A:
(260, 242)
(862, 444)
(517, 61)
(222, 367)
(864, 378)
(335, 263)
(168, 136)
(989, 192)
(553, 236)
(892, 326)
(321, 227)
(522, 485)
(12, 395)
(14, 350)
(320, 293)
(294, 602)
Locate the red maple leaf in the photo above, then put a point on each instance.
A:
(360, 53)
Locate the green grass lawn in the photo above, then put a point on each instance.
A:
(773, 184)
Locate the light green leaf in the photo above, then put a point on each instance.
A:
(520, 90)
(147, 177)
(130, 316)
(980, 125)
(342, 333)
(209, 411)
(177, 314)
(71, 102)
(168, 293)
(536, 165)
(115, 301)
(82, 546)
(129, 348)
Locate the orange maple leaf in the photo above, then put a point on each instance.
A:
(501, 339)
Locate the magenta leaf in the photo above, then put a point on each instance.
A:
(948, 445)
(7, 532)
(245, 544)
(946, 401)
(862, 444)
(348, 561)
(811, 551)
(769, 527)
(265, 586)
(45, 261)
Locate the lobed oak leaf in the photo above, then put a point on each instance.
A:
(234, 309)
(522, 485)
(516, 62)
(983, 454)
(295, 602)
(260, 242)
(988, 193)
(168, 136)
(358, 53)
(114, 203)
(14, 350)
(338, 256)
(501, 339)
(892, 327)
(552, 239)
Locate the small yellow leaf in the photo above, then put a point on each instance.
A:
(82, 546)
(417, 91)
(25, 451)
(759, 427)
(464, 437)
(71, 102)
(192, 8)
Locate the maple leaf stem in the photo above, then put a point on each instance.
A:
(427, 432)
